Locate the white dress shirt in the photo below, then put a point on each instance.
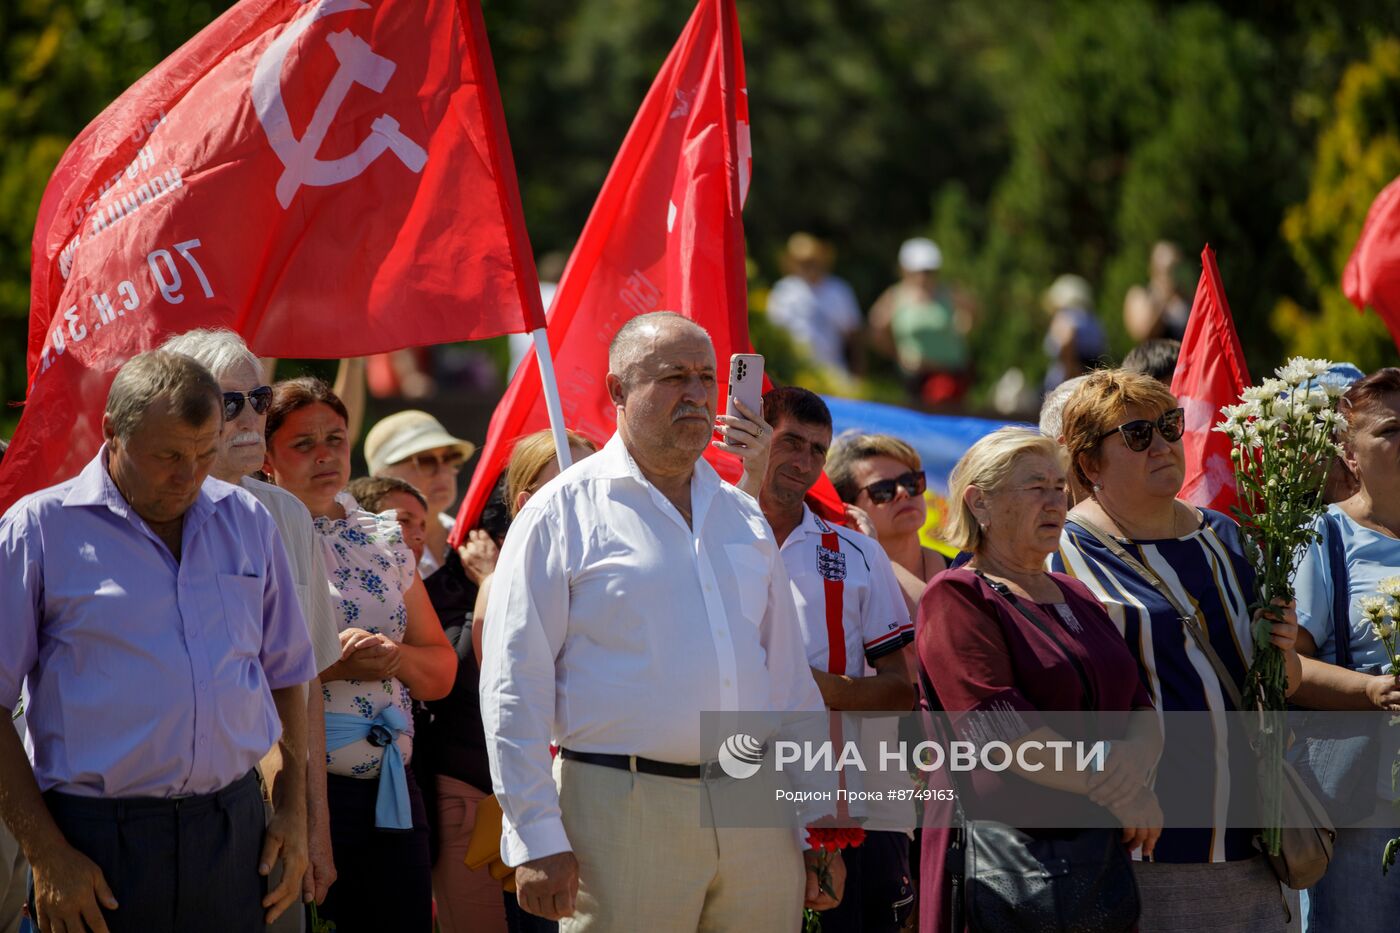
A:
(874, 622)
(614, 624)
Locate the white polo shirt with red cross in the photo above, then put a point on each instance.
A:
(852, 612)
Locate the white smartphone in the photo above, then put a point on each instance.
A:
(745, 383)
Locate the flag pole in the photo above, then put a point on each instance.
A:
(551, 398)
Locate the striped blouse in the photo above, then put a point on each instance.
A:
(1205, 569)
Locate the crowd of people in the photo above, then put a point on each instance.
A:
(257, 690)
(923, 324)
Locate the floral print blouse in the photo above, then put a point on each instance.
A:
(370, 570)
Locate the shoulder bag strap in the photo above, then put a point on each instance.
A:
(1341, 590)
(1188, 617)
(935, 705)
(1002, 590)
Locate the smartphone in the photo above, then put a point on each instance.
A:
(745, 383)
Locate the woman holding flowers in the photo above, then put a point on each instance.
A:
(1174, 579)
(1004, 638)
(1341, 576)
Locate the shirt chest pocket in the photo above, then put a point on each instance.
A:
(748, 580)
(241, 599)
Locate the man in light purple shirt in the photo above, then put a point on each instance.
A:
(150, 621)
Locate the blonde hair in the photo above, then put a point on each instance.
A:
(531, 455)
(851, 448)
(1099, 404)
(986, 465)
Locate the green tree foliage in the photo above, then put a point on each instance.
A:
(1136, 124)
(1030, 138)
(61, 63)
(1358, 154)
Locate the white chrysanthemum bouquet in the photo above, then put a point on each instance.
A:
(1284, 438)
(1381, 612)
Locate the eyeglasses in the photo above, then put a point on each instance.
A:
(260, 398)
(431, 463)
(1138, 434)
(914, 483)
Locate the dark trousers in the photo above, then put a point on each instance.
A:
(173, 864)
(879, 895)
(384, 877)
(520, 920)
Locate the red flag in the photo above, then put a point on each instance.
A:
(328, 179)
(665, 234)
(1210, 373)
(1372, 275)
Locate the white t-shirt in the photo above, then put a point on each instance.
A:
(818, 316)
(874, 622)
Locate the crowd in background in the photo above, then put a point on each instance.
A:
(411, 779)
(922, 328)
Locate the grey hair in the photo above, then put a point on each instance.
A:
(986, 465)
(627, 343)
(216, 349)
(146, 378)
(1052, 410)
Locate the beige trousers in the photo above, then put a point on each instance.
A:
(467, 901)
(646, 862)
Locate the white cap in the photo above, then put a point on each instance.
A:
(1069, 291)
(405, 433)
(920, 255)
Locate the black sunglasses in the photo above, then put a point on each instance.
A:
(260, 398)
(1138, 434)
(914, 483)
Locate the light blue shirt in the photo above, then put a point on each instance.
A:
(1370, 558)
(143, 677)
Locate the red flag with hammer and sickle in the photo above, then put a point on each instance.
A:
(328, 178)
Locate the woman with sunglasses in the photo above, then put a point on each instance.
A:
(882, 478)
(1177, 585)
(393, 650)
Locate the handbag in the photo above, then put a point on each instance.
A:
(1337, 761)
(1308, 833)
(484, 846)
(1006, 879)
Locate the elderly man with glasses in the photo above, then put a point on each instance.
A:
(414, 446)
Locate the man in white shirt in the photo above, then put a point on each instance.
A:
(635, 591)
(857, 632)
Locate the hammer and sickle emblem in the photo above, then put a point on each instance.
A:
(358, 65)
